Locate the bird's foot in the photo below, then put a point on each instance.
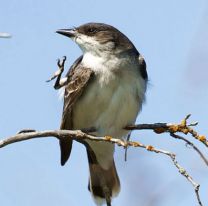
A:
(57, 75)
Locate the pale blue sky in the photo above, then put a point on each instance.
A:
(172, 36)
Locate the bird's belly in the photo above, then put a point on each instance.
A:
(107, 107)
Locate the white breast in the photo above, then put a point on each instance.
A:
(112, 101)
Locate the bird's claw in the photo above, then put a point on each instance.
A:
(60, 70)
(61, 63)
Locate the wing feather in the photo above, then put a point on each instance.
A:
(78, 79)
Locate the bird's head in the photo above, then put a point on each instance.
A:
(98, 38)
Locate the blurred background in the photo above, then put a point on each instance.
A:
(171, 35)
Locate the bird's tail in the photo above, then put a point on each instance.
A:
(65, 147)
(103, 183)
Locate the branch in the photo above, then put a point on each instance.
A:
(192, 145)
(158, 128)
(182, 127)
(80, 136)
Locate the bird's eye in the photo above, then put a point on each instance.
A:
(92, 30)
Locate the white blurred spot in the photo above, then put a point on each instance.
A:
(5, 35)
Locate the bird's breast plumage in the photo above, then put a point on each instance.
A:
(112, 99)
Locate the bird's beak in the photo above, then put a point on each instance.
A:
(67, 32)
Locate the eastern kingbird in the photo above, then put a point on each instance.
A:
(104, 91)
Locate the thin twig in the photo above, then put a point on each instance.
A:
(192, 145)
(188, 177)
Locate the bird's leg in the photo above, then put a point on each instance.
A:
(60, 82)
(126, 148)
(107, 196)
(127, 140)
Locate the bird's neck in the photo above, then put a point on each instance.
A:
(97, 61)
(105, 61)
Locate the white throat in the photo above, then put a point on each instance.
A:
(107, 62)
(95, 62)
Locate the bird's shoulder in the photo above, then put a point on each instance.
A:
(78, 75)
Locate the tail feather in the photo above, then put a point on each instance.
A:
(104, 183)
(65, 147)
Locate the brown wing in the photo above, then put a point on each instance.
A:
(78, 79)
(142, 67)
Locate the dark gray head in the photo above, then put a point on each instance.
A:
(99, 37)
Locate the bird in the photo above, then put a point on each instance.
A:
(104, 90)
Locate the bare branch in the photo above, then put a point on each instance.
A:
(80, 136)
(158, 128)
(175, 128)
(182, 127)
(188, 177)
